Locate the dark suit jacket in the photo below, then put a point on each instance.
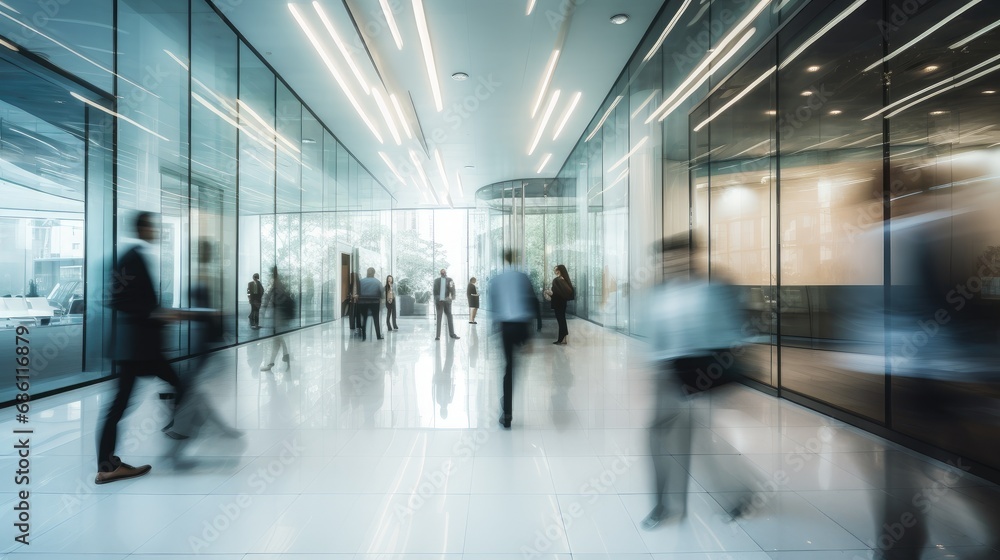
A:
(449, 291)
(138, 335)
(259, 296)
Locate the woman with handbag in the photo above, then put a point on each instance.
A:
(473, 294)
(390, 304)
(560, 294)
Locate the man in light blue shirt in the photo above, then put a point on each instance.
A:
(444, 293)
(512, 304)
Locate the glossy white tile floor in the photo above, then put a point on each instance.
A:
(391, 449)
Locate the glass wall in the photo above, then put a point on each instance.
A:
(835, 160)
(244, 177)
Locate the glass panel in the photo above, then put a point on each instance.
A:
(77, 37)
(256, 180)
(741, 163)
(153, 151)
(214, 165)
(831, 173)
(43, 158)
(945, 264)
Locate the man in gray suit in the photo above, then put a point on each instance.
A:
(444, 293)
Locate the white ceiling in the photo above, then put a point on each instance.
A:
(493, 41)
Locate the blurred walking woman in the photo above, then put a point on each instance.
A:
(561, 292)
(390, 304)
(473, 294)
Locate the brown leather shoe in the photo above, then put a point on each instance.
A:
(121, 473)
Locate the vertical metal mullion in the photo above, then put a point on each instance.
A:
(886, 237)
(190, 187)
(236, 295)
(777, 222)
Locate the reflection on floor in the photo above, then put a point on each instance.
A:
(390, 449)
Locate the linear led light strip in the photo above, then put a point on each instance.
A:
(736, 31)
(607, 113)
(862, 140)
(391, 167)
(33, 30)
(975, 35)
(440, 166)
(566, 115)
(545, 161)
(399, 113)
(11, 8)
(425, 43)
(617, 180)
(114, 114)
(545, 121)
(384, 109)
(939, 92)
(35, 138)
(531, 6)
(923, 35)
(687, 89)
(934, 86)
(391, 21)
(553, 60)
(822, 31)
(644, 103)
(333, 70)
(458, 184)
(666, 31)
(751, 148)
(625, 157)
(423, 175)
(341, 46)
(821, 143)
(9, 46)
(738, 96)
(268, 128)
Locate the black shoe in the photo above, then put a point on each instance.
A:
(380, 338)
(455, 337)
(505, 421)
(437, 338)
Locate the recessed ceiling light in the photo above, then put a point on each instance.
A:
(937, 113)
(806, 93)
(812, 69)
(619, 19)
(459, 76)
(308, 141)
(931, 68)
(470, 166)
(836, 112)
(771, 112)
(989, 92)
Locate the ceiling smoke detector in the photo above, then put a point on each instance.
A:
(619, 19)
(459, 76)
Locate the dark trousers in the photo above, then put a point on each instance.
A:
(514, 335)
(366, 310)
(444, 308)
(670, 437)
(390, 316)
(254, 313)
(560, 312)
(128, 371)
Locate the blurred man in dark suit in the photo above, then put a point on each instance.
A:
(138, 340)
